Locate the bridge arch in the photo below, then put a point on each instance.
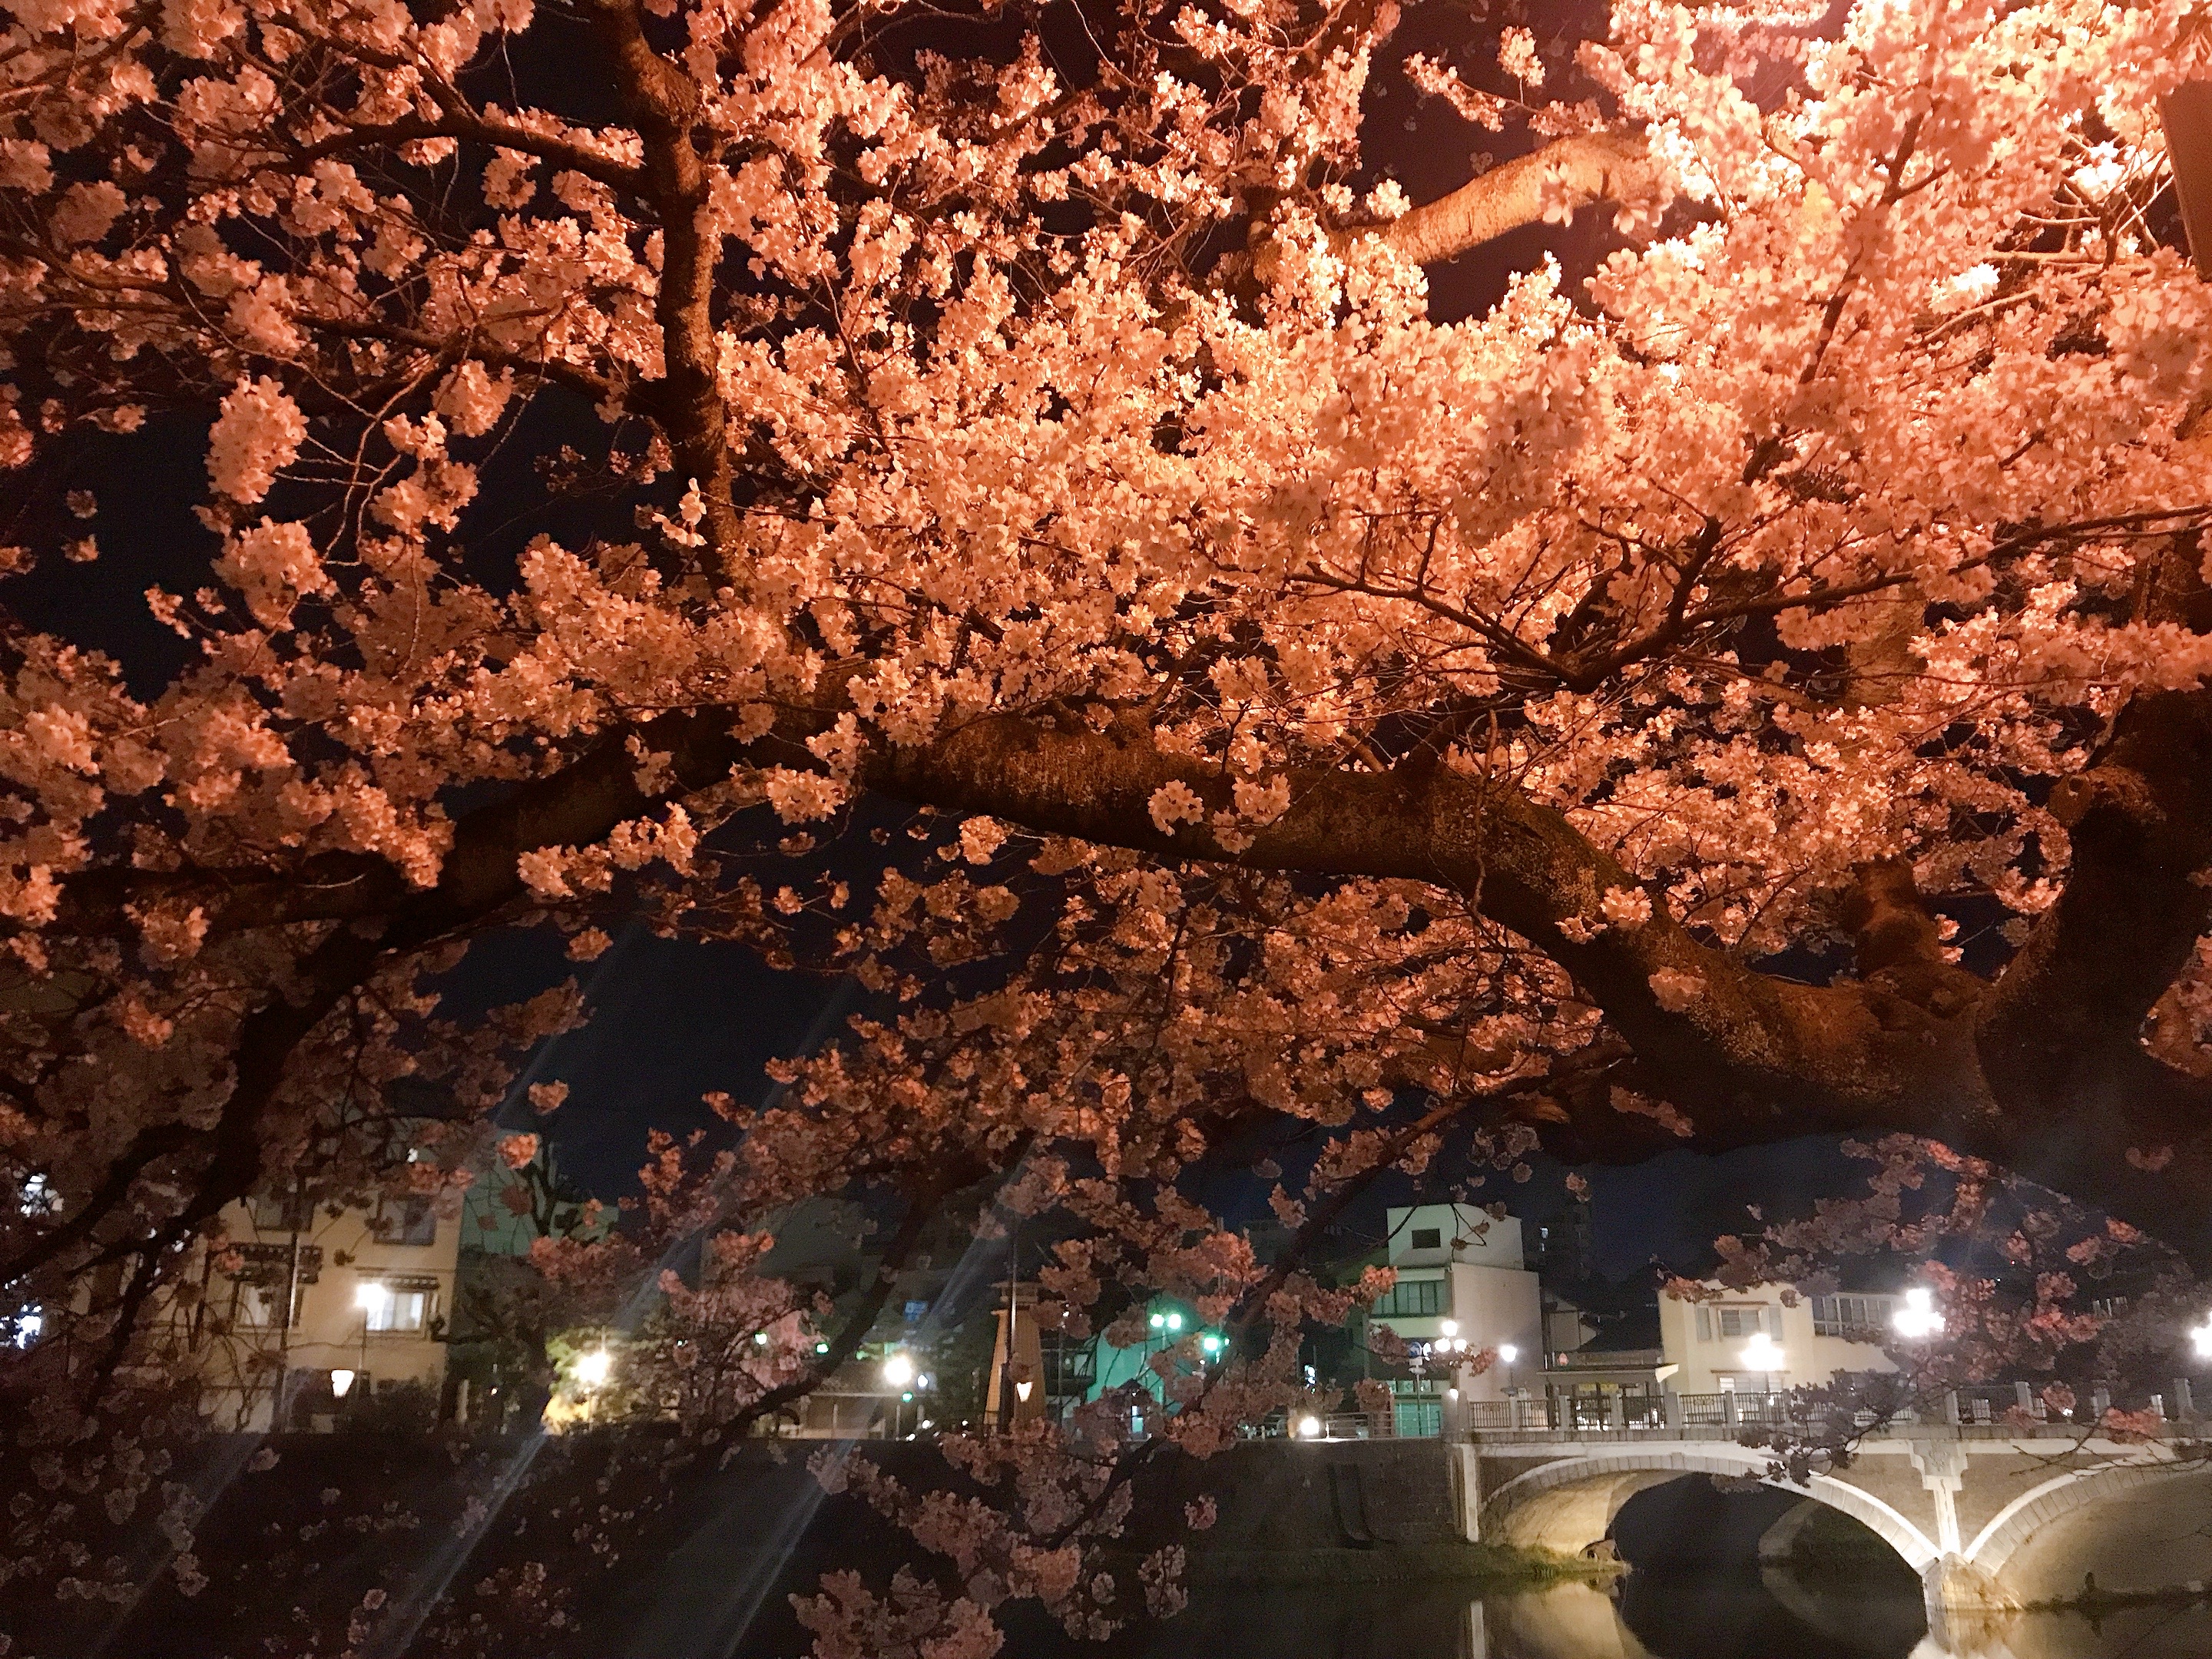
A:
(2040, 1516)
(1568, 1503)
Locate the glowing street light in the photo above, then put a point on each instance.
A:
(1762, 1354)
(1210, 1342)
(369, 1295)
(1175, 1321)
(1449, 1327)
(1159, 1320)
(1309, 1428)
(2201, 1339)
(341, 1380)
(898, 1371)
(1917, 1319)
(591, 1370)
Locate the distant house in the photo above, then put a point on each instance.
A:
(1769, 1337)
(1462, 1279)
(310, 1314)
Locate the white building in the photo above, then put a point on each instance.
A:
(1462, 1279)
(308, 1313)
(1754, 1341)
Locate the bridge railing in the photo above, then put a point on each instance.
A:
(2185, 1405)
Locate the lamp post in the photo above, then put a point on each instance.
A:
(1918, 1320)
(1762, 1354)
(591, 1371)
(370, 1296)
(899, 1372)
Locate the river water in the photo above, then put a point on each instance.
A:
(1710, 1614)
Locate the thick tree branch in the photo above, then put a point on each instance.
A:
(1594, 167)
(2074, 1001)
(1745, 1042)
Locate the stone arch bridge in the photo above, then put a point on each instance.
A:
(1973, 1509)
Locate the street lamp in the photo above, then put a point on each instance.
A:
(1761, 1354)
(341, 1380)
(591, 1370)
(371, 1295)
(898, 1371)
(1309, 1428)
(1508, 1354)
(1917, 1319)
(2201, 1339)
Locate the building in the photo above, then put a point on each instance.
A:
(311, 1315)
(1770, 1337)
(1461, 1278)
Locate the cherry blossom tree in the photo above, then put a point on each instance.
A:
(1751, 687)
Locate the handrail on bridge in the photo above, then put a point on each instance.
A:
(2019, 1407)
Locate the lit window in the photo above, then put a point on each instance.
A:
(405, 1305)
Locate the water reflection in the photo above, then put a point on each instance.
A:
(1649, 1615)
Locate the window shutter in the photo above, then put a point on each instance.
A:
(1705, 1324)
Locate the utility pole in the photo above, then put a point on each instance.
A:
(1013, 1314)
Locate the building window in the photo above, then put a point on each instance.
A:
(282, 1214)
(410, 1221)
(1411, 1299)
(405, 1306)
(260, 1306)
(1741, 1321)
(1428, 1238)
(1853, 1317)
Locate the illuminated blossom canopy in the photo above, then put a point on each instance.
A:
(1248, 700)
